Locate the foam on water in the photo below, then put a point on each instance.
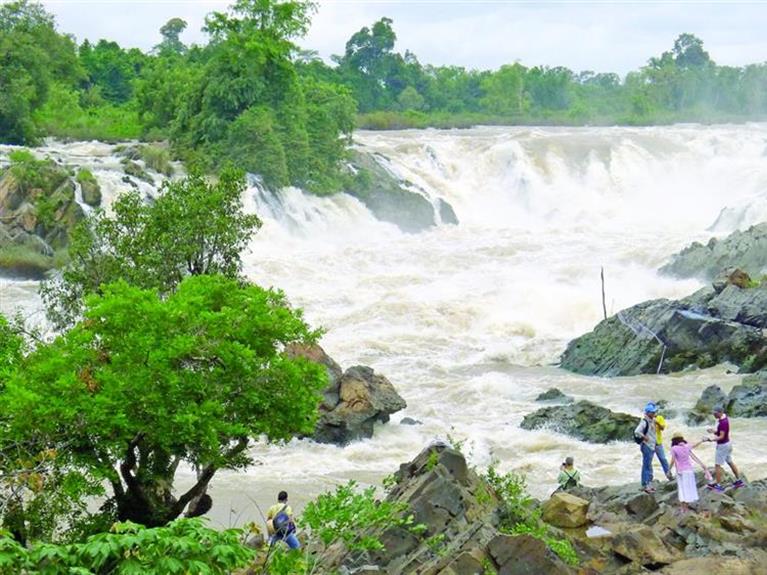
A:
(465, 320)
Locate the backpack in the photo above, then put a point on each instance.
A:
(281, 523)
(638, 439)
(571, 481)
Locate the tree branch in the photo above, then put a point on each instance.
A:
(205, 476)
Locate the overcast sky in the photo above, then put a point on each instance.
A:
(596, 35)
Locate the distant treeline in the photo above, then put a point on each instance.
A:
(251, 96)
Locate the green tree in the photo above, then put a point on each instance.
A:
(504, 91)
(145, 383)
(195, 227)
(170, 32)
(111, 69)
(32, 56)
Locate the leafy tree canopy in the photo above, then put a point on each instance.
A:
(194, 227)
(145, 383)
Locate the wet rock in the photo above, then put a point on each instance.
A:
(749, 399)
(668, 336)
(554, 395)
(744, 249)
(390, 199)
(133, 169)
(712, 396)
(584, 420)
(353, 402)
(566, 510)
(410, 421)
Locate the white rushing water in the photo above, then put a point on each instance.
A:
(467, 320)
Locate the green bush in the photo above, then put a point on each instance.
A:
(518, 515)
(185, 546)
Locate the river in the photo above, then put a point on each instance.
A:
(468, 321)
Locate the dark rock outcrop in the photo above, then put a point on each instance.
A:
(38, 211)
(640, 532)
(390, 199)
(457, 508)
(353, 402)
(584, 420)
(713, 325)
(746, 250)
(747, 399)
(712, 396)
(554, 395)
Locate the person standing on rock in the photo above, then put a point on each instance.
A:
(681, 454)
(279, 522)
(644, 435)
(660, 425)
(723, 450)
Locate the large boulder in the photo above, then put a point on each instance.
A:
(744, 249)
(712, 396)
(525, 555)
(393, 200)
(642, 545)
(566, 510)
(354, 400)
(665, 336)
(584, 420)
(747, 399)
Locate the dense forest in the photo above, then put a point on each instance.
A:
(253, 97)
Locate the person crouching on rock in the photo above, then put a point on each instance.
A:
(569, 477)
(644, 435)
(681, 454)
(279, 522)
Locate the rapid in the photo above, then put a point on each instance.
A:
(468, 321)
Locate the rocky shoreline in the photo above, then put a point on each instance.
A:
(614, 530)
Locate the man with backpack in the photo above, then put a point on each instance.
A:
(569, 477)
(645, 437)
(279, 522)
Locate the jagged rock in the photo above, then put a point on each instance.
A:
(749, 399)
(525, 555)
(446, 212)
(584, 420)
(566, 510)
(746, 250)
(642, 545)
(364, 399)
(554, 395)
(132, 168)
(353, 401)
(712, 396)
(731, 277)
(642, 505)
(684, 333)
(388, 198)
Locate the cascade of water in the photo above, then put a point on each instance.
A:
(466, 319)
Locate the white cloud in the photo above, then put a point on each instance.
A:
(601, 36)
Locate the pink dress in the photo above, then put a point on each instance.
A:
(685, 477)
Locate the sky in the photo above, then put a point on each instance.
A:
(583, 35)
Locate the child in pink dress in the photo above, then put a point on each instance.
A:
(682, 456)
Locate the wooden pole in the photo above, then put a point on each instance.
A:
(604, 306)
